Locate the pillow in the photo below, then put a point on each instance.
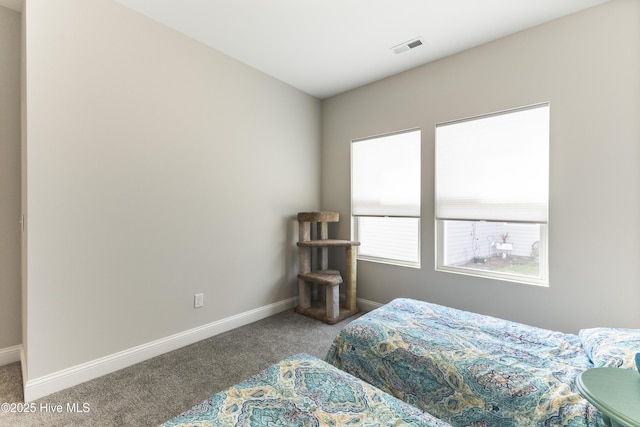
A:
(611, 347)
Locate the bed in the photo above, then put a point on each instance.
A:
(303, 391)
(475, 370)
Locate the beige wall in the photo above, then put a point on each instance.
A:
(10, 321)
(157, 168)
(588, 66)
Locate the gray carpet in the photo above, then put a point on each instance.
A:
(158, 389)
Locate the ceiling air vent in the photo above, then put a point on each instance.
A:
(411, 44)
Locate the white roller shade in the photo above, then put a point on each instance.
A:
(494, 167)
(385, 175)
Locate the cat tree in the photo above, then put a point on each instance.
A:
(319, 287)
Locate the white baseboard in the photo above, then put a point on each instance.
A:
(51, 383)
(366, 305)
(10, 355)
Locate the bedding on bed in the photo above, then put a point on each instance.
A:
(303, 391)
(468, 369)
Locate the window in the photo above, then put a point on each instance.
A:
(492, 191)
(385, 197)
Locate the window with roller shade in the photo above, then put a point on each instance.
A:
(491, 195)
(385, 197)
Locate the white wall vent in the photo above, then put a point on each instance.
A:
(408, 45)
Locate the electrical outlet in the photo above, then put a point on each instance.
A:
(198, 300)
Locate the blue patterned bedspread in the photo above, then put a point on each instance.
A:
(303, 391)
(468, 369)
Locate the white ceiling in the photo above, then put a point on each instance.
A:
(324, 47)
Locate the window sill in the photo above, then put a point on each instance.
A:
(388, 261)
(484, 274)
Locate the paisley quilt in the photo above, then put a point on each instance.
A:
(303, 391)
(468, 369)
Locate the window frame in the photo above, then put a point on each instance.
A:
(354, 218)
(440, 241)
